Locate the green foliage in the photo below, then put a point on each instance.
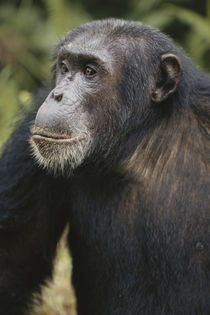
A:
(27, 38)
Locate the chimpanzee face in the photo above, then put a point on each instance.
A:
(95, 93)
(71, 117)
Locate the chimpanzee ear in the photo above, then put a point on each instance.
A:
(171, 71)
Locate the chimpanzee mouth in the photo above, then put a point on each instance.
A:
(59, 151)
(58, 139)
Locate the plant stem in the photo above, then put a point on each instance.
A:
(208, 9)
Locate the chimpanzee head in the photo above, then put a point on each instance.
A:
(110, 76)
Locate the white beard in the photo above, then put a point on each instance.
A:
(61, 159)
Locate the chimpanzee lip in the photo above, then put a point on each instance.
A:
(59, 139)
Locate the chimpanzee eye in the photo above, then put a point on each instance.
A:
(63, 67)
(89, 71)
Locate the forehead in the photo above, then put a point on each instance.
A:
(87, 50)
(105, 42)
(88, 40)
(88, 44)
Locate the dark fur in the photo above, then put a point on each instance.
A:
(30, 223)
(139, 207)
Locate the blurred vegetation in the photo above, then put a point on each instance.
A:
(29, 31)
(58, 296)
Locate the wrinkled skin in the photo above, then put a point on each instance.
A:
(75, 104)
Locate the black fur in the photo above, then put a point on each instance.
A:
(139, 205)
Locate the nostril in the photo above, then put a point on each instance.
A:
(57, 97)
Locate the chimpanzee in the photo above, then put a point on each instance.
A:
(120, 149)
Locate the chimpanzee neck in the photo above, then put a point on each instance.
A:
(171, 145)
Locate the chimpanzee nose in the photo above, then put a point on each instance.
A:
(57, 96)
